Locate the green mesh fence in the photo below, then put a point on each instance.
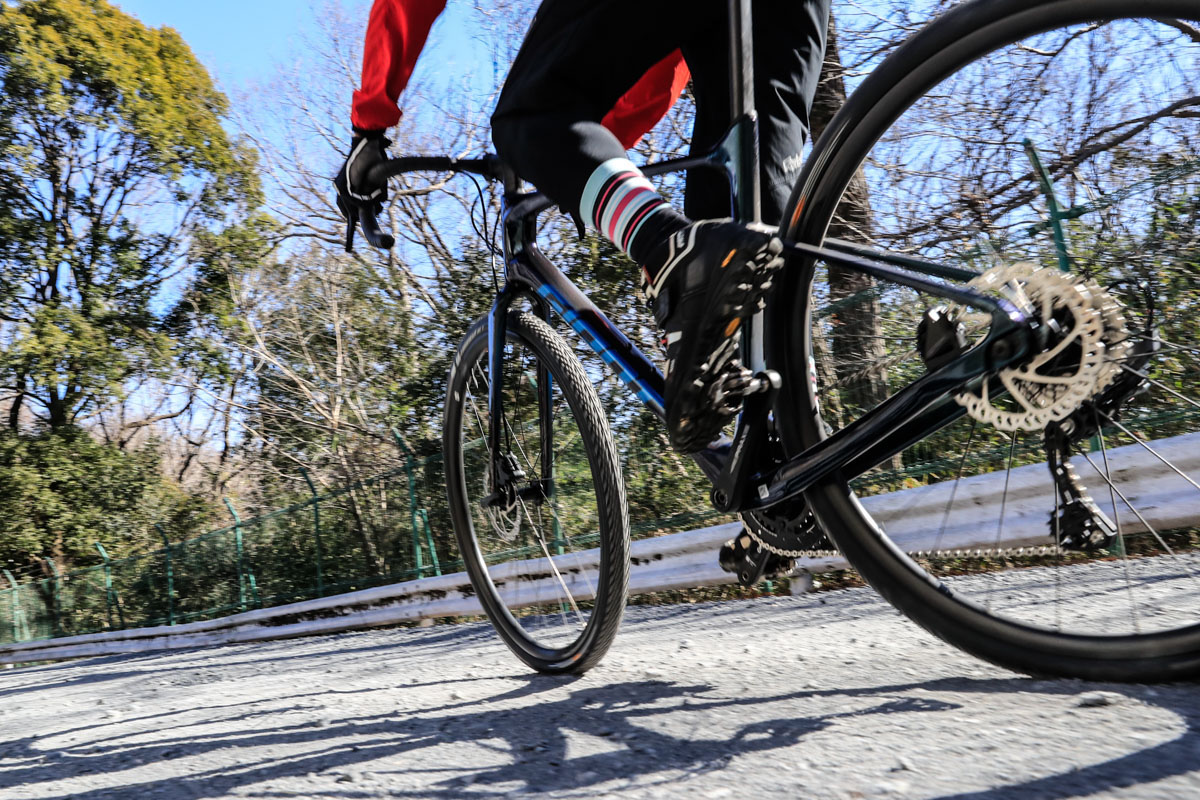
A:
(391, 528)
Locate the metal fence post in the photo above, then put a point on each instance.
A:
(433, 556)
(1056, 217)
(412, 502)
(111, 600)
(19, 626)
(170, 575)
(237, 538)
(1056, 227)
(316, 504)
(56, 598)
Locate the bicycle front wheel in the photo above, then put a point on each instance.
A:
(545, 542)
(1028, 138)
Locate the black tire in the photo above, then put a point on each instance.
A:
(952, 52)
(575, 611)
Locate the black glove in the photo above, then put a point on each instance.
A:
(354, 191)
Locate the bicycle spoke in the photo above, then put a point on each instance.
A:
(954, 490)
(1154, 532)
(1107, 473)
(1163, 344)
(566, 537)
(1150, 450)
(1160, 385)
(557, 575)
(1012, 448)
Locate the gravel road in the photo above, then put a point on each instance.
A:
(823, 696)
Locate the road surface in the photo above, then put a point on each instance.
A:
(823, 696)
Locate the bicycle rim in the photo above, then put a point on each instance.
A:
(959, 530)
(550, 570)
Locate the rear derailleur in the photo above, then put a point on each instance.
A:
(1078, 524)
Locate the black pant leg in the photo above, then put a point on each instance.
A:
(578, 59)
(789, 45)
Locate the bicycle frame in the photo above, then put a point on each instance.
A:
(733, 465)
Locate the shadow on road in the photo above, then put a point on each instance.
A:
(531, 742)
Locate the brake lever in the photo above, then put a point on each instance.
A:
(370, 227)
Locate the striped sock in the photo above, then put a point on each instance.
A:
(622, 205)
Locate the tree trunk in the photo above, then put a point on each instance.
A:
(14, 411)
(854, 338)
(374, 561)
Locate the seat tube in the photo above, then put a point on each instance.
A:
(747, 191)
(741, 71)
(741, 57)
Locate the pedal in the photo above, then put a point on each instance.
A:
(750, 562)
(728, 393)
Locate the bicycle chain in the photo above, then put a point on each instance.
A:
(979, 552)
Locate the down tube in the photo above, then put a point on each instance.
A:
(613, 346)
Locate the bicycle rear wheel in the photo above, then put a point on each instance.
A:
(936, 155)
(551, 565)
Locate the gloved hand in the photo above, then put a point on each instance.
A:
(367, 148)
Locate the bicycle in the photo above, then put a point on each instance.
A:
(893, 333)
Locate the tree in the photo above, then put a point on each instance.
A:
(112, 157)
(852, 349)
(117, 177)
(61, 491)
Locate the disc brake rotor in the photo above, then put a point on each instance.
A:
(506, 521)
(1082, 359)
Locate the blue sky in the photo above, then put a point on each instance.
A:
(242, 41)
(239, 41)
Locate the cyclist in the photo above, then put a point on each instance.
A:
(589, 80)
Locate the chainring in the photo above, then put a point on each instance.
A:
(789, 529)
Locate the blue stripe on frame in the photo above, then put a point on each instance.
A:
(577, 323)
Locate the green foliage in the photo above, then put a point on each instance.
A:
(61, 491)
(205, 318)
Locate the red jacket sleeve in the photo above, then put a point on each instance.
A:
(396, 33)
(648, 101)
